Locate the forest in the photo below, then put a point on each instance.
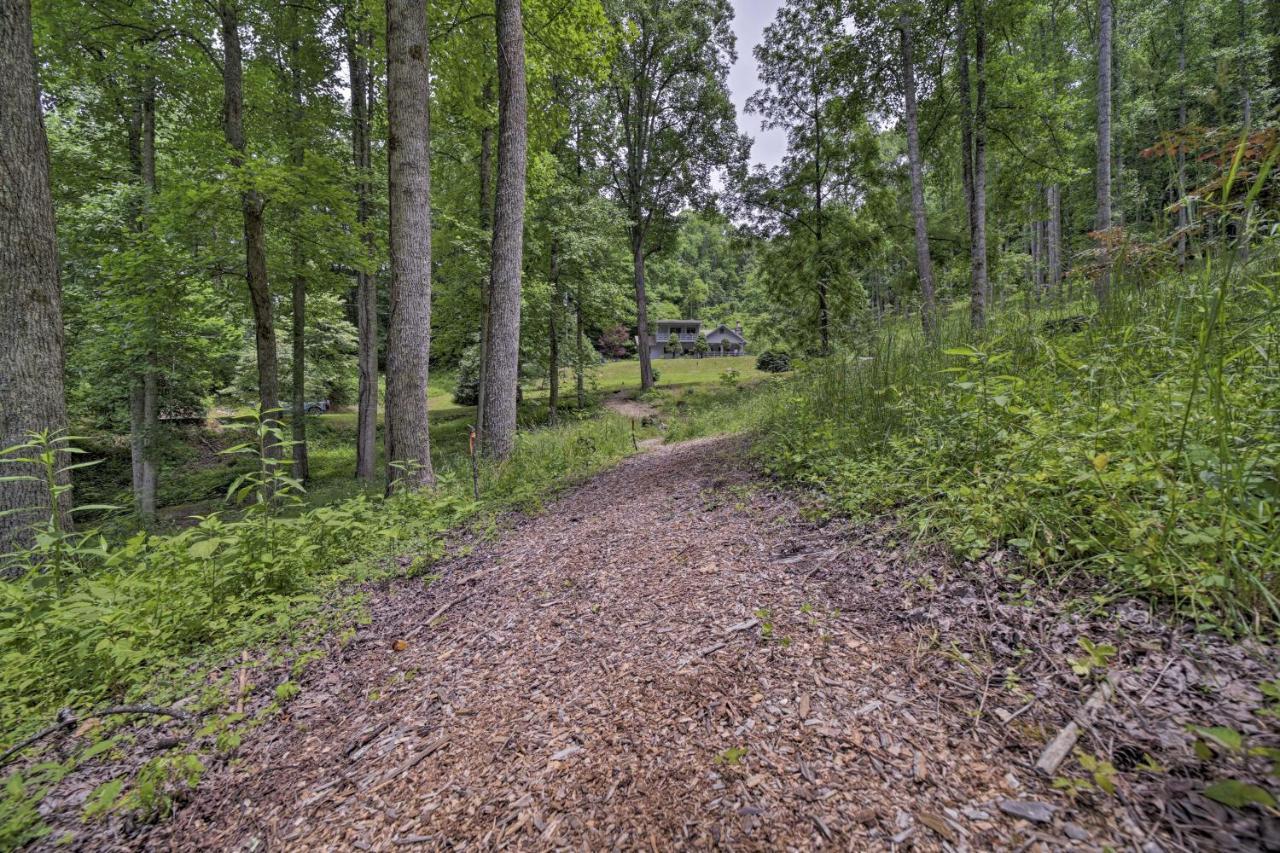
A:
(315, 312)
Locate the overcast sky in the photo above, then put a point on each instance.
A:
(750, 19)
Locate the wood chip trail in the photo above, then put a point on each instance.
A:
(650, 663)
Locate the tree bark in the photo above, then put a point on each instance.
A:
(553, 332)
(144, 398)
(251, 206)
(408, 438)
(1184, 213)
(485, 210)
(642, 309)
(980, 290)
(502, 348)
(924, 267)
(977, 295)
(1054, 236)
(1246, 98)
(359, 42)
(1102, 184)
(824, 313)
(31, 357)
(297, 158)
(579, 365)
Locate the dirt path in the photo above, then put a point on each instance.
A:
(622, 403)
(670, 656)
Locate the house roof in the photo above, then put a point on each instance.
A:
(679, 322)
(726, 330)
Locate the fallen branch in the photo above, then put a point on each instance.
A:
(67, 719)
(1065, 740)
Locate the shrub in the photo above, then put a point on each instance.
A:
(616, 342)
(773, 361)
(466, 391)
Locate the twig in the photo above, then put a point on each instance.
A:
(242, 681)
(1156, 683)
(67, 719)
(982, 704)
(1070, 733)
(411, 763)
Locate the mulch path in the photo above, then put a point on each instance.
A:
(678, 655)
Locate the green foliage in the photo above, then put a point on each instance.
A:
(774, 361)
(1096, 657)
(1138, 446)
(466, 390)
(87, 619)
(732, 756)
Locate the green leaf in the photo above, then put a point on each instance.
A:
(1229, 738)
(204, 549)
(1237, 794)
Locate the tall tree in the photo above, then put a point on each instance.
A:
(674, 124)
(1102, 168)
(924, 265)
(799, 61)
(298, 284)
(359, 43)
(980, 290)
(408, 438)
(31, 358)
(502, 341)
(252, 206)
(144, 393)
(977, 294)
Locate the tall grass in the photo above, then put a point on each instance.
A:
(1139, 441)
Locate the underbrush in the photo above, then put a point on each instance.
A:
(1139, 443)
(731, 408)
(89, 620)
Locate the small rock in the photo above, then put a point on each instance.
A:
(975, 814)
(1028, 810)
(1075, 831)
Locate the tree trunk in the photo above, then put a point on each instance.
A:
(977, 294)
(1246, 99)
(642, 310)
(144, 398)
(1053, 237)
(251, 206)
(486, 220)
(502, 348)
(408, 439)
(297, 158)
(579, 365)
(359, 41)
(928, 306)
(1184, 212)
(1102, 185)
(553, 331)
(1272, 15)
(824, 313)
(31, 358)
(980, 287)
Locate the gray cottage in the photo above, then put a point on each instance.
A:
(721, 339)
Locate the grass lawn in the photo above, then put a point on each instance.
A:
(195, 482)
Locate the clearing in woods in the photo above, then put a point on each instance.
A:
(674, 655)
